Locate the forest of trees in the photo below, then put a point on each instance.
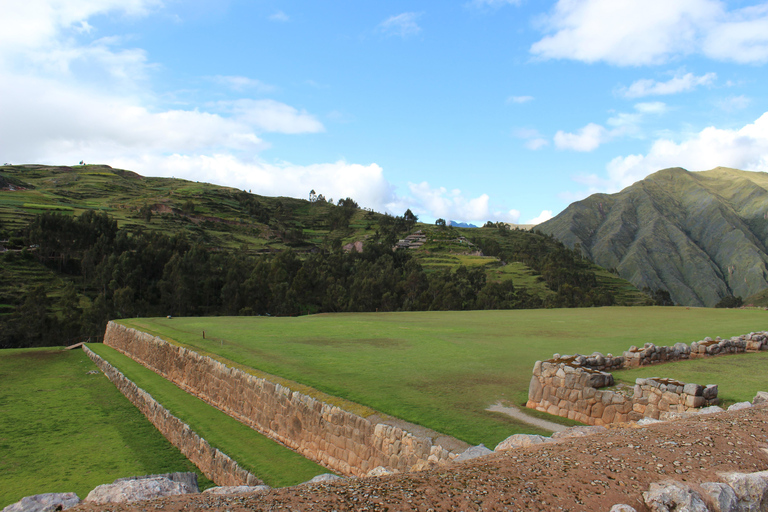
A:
(111, 273)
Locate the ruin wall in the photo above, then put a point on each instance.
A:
(568, 386)
(213, 463)
(341, 441)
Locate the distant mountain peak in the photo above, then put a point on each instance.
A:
(460, 224)
(701, 236)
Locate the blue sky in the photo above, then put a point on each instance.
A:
(470, 110)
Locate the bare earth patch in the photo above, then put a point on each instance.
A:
(587, 474)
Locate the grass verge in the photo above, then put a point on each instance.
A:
(272, 462)
(63, 430)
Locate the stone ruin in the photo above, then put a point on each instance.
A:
(569, 386)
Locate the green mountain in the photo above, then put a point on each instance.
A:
(701, 236)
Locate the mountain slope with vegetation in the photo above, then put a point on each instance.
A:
(701, 236)
(88, 244)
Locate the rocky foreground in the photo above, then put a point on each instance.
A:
(591, 473)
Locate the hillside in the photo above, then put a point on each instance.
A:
(90, 243)
(699, 235)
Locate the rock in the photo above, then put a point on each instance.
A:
(380, 471)
(751, 489)
(129, 491)
(669, 496)
(648, 421)
(622, 508)
(712, 409)
(237, 489)
(520, 441)
(188, 479)
(578, 432)
(710, 391)
(40, 502)
(473, 452)
(739, 406)
(325, 478)
(760, 398)
(693, 389)
(722, 495)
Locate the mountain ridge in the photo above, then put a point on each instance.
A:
(701, 236)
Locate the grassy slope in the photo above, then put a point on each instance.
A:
(441, 369)
(62, 430)
(700, 235)
(272, 462)
(219, 220)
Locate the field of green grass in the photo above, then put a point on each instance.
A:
(440, 369)
(62, 430)
(272, 462)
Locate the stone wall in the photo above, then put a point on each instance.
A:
(344, 442)
(214, 464)
(568, 386)
(564, 389)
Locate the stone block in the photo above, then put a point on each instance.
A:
(694, 401)
(609, 413)
(535, 389)
(710, 391)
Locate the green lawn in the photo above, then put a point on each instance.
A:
(272, 462)
(62, 430)
(441, 369)
(739, 377)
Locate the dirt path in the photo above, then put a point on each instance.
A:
(521, 416)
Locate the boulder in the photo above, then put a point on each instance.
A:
(669, 496)
(520, 441)
(622, 508)
(473, 452)
(325, 478)
(188, 479)
(578, 432)
(44, 502)
(712, 409)
(710, 391)
(739, 406)
(722, 496)
(129, 491)
(648, 421)
(380, 471)
(760, 398)
(237, 489)
(751, 489)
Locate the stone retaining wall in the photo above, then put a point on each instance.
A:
(214, 464)
(568, 386)
(344, 442)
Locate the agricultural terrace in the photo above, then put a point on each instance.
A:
(443, 369)
(64, 429)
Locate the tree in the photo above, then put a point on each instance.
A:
(440, 223)
(410, 219)
(312, 196)
(730, 302)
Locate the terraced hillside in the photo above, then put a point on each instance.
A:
(702, 236)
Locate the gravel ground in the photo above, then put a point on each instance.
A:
(587, 473)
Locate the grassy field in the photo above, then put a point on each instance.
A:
(275, 464)
(63, 430)
(440, 369)
(739, 377)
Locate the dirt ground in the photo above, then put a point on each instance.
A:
(584, 473)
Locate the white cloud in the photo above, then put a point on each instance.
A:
(544, 216)
(631, 33)
(677, 84)
(280, 16)
(533, 139)
(449, 205)
(403, 25)
(511, 216)
(745, 148)
(519, 99)
(733, 103)
(586, 139)
(242, 83)
(272, 116)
